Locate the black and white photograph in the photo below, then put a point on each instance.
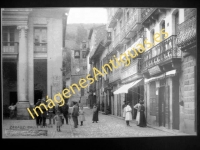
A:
(98, 72)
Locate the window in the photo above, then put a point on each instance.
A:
(40, 39)
(77, 54)
(120, 24)
(83, 54)
(83, 45)
(176, 22)
(152, 36)
(8, 36)
(127, 16)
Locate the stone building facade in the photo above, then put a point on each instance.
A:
(164, 74)
(32, 45)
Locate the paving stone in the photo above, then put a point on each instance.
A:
(107, 127)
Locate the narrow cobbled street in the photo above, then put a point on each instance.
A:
(107, 127)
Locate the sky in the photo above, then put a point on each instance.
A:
(87, 15)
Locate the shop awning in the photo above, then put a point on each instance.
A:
(167, 74)
(126, 87)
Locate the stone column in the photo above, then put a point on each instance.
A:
(23, 102)
(30, 63)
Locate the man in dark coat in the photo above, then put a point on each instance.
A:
(44, 114)
(75, 114)
(65, 109)
(38, 118)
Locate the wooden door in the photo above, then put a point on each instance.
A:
(161, 106)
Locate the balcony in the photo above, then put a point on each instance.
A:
(161, 54)
(186, 38)
(116, 14)
(114, 76)
(10, 49)
(131, 72)
(117, 41)
(112, 22)
(123, 35)
(150, 15)
(146, 12)
(40, 48)
(108, 39)
(133, 24)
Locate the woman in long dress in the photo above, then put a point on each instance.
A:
(138, 113)
(95, 114)
(128, 114)
(142, 119)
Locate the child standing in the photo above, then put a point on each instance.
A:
(58, 118)
(81, 115)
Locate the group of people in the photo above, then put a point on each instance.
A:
(140, 118)
(59, 114)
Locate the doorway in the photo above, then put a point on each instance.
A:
(175, 105)
(37, 95)
(13, 98)
(161, 106)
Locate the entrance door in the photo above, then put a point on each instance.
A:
(161, 106)
(37, 95)
(175, 103)
(13, 98)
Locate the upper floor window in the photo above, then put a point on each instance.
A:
(120, 24)
(127, 16)
(83, 45)
(176, 16)
(8, 36)
(152, 36)
(40, 39)
(83, 54)
(77, 54)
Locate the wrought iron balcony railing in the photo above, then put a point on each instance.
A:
(161, 53)
(10, 47)
(187, 33)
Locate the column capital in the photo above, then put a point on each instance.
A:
(25, 27)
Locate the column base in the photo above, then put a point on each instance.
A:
(22, 113)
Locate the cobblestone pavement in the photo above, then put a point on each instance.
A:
(107, 127)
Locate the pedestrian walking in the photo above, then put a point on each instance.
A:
(38, 118)
(95, 114)
(128, 114)
(142, 119)
(51, 113)
(123, 106)
(65, 109)
(81, 115)
(44, 114)
(138, 113)
(12, 108)
(58, 118)
(75, 114)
